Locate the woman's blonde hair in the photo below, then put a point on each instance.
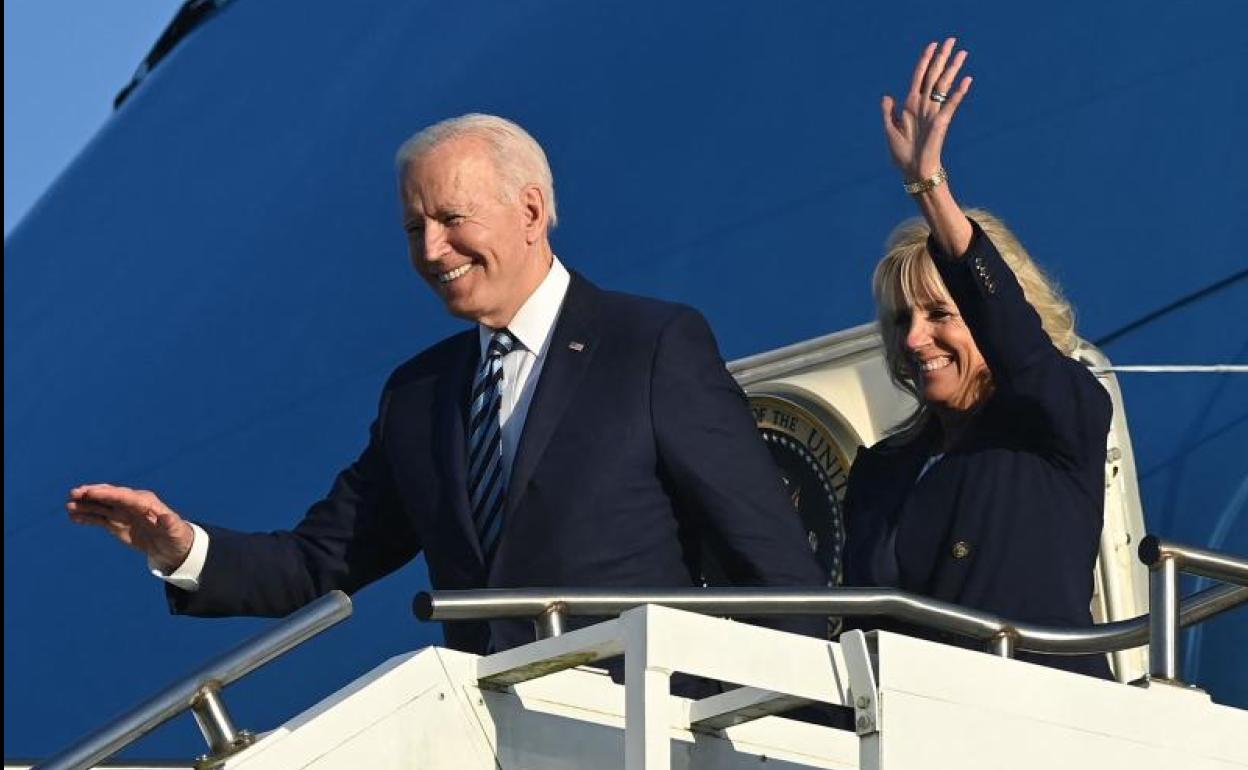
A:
(906, 277)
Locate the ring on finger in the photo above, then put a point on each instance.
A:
(940, 97)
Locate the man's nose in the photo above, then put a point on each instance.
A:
(434, 241)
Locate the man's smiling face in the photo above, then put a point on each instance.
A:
(467, 238)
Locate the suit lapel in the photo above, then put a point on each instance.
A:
(572, 346)
(451, 408)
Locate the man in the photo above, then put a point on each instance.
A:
(574, 437)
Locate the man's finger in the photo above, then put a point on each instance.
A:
(167, 522)
(92, 491)
(82, 489)
(95, 520)
(118, 496)
(118, 513)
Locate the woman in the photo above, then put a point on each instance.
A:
(990, 495)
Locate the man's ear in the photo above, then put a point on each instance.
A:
(533, 209)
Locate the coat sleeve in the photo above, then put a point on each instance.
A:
(353, 536)
(717, 464)
(1058, 401)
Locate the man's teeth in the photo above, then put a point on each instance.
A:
(451, 275)
(935, 363)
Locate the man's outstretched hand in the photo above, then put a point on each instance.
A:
(137, 518)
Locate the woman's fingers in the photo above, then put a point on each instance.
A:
(887, 105)
(956, 98)
(920, 70)
(937, 67)
(944, 83)
(898, 131)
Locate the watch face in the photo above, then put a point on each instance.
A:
(815, 469)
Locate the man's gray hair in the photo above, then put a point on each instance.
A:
(518, 158)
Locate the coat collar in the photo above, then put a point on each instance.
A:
(572, 346)
(573, 343)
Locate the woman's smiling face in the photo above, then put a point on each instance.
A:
(948, 369)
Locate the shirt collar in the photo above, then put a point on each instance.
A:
(535, 320)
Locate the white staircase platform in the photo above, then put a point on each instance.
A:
(917, 705)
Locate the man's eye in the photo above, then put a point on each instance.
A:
(453, 219)
(414, 228)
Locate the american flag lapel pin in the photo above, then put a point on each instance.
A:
(576, 347)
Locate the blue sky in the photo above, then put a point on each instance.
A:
(64, 61)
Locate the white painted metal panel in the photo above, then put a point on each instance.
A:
(948, 707)
(938, 707)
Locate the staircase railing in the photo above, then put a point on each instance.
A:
(200, 692)
(550, 608)
(1165, 561)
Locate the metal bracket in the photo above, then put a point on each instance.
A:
(862, 684)
(738, 706)
(552, 621)
(224, 739)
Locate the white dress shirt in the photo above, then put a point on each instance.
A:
(532, 326)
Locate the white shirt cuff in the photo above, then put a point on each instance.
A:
(186, 576)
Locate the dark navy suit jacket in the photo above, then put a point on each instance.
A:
(638, 449)
(1009, 521)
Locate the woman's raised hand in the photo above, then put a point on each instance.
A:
(916, 132)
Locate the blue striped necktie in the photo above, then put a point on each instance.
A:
(487, 489)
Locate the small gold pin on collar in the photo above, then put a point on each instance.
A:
(576, 347)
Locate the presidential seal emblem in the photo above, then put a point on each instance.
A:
(808, 446)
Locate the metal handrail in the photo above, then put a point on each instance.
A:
(1165, 561)
(1159, 628)
(858, 602)
(134, 764)
(200, 691)
(124, 764)
(1195, 561)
